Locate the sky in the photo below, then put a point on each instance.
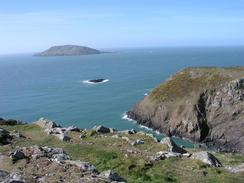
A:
(35, 25)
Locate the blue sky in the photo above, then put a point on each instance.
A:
(33, 25)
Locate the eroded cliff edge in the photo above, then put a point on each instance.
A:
(202, 104)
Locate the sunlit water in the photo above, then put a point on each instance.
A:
(55, 88)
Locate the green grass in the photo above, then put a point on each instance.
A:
(191, 82)
(106, 153)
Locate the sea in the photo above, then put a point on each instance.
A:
(57, 88)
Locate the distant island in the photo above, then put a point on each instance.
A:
(68, 50)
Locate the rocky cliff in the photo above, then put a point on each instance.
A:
(202, 104)
(68, 50)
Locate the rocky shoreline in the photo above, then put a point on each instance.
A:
(26, 157)
(209, 111)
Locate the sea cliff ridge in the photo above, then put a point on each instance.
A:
(204, 104)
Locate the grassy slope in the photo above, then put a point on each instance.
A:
(109, 153)
(191, 81)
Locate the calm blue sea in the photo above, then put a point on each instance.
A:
(51, 87)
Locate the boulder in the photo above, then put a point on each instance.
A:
(137, 142)
(82, 136)
(6, 177)
(207, 158)
(45, 123)
(172, 147)
(17, 155)
(73, 129)
(111, 176)
(161, 155)
(101, 129)
(3, 175)
(16, 135)
(84, 166)
(132, 131)
(4, 136)
(62, 137)
(236, 169)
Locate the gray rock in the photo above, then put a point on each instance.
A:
(82, 136)
(6, 177)
(84, 166)
(101, 129)
(236, 169)
(17, 155)
(207, 158)
(137, 142)
(111, 175)
(172, 147)
(132, 131)
(16, 135)
(62, 137)
(4, 136)
(60, 157)
(161, 155)
(73, 129)
(3, 175)
(45, 123)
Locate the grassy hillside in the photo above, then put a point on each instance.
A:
(191, 81)
(131, 162)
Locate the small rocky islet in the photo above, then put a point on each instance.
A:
(69, 50)
(201, 104)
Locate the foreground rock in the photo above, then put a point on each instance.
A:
(172, 147)
(202, 104)
(4, 136)
(7, 177)
(41, 159)
(51, 127)
(68, 50)
(207, 158)
(236, 169)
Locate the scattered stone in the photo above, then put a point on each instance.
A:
(101, 129)
(116, 136)
(84, 166)
(16, 135)
(17, 155)
(172, 147)
(113, 130)
(137, 142)
(73, 129)
(82, 136)
(62, 137)
(4, 136)
(132, 131)
(207, 158)
(45, 123)
(111, 175)
(236, 169)
(3, 175)
(6, 177)
(126, 138)
(161, 155)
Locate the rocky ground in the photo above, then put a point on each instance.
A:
(202, 104)
(46, 152)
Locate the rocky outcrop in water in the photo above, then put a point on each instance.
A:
(201, 104)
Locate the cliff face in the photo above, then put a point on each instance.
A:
(202, 104)
(68, 50)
